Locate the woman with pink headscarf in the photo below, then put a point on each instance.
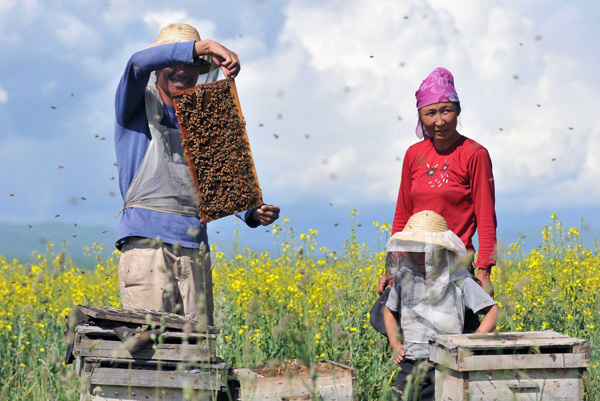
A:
(450, 174)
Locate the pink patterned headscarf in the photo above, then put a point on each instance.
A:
(436, 88)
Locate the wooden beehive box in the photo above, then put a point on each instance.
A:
(334, 382)
(536, 365)
(173, 360)
(217, 149)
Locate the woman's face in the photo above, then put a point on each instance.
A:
(440, 121)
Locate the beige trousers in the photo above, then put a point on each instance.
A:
(166, 278)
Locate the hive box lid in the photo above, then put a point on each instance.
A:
(139, 316)
(507, 351)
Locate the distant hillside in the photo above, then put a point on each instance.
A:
(20, 240)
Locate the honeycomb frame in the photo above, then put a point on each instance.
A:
(217, 149)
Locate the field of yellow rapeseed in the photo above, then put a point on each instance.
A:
(302, 301)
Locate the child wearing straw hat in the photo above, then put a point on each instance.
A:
(431, 290)
(172, 274)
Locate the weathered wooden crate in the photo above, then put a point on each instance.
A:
(334, 382)
(123, 383)
(166, 366)
(537, 366)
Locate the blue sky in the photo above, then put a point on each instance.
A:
(327, 90)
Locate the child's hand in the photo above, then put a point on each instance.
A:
(398, 353)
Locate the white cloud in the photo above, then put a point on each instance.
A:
(48, 87)
(310, 80)
(44, 190)
(74, 32)
(6, 6)
(158, 19)
(504, 65)
(119, 13)
(25, 8)
(15, 18)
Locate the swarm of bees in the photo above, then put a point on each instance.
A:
(213, 133)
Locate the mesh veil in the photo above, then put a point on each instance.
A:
(430, 303)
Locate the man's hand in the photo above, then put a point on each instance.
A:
(398, 352)
(483, 279)
(384, 281)
(266, 214)
(224, 58)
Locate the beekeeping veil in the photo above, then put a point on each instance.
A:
(430, 303)
(163, 182)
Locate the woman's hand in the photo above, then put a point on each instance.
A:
(398, 352)
(384, 281)
(483, 279)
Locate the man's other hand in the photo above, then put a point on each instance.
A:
(266, 214)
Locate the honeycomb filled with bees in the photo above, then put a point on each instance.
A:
(213, 133)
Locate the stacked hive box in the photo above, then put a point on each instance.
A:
(216, 145)
(170, 362)
(536, 366)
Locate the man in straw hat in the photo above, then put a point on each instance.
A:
(165, 264)
(431, 289)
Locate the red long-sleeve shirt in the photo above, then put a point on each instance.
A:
(456, 183)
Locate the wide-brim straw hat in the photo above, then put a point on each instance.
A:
(178, 32)
(422, 229)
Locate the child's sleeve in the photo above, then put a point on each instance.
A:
(475, 297)
(392, 302)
